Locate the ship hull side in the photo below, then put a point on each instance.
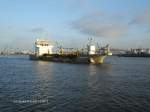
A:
(87, 59)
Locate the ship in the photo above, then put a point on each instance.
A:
(91, 54)
(140, 52)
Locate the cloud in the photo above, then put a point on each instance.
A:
(148, 30)
(99, 25)
(37, 30)
(141, 18)
(40, 32)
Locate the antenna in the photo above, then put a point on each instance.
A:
(98, 45)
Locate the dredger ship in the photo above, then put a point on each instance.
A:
(91, 54)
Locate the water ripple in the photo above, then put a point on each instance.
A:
(118, 85)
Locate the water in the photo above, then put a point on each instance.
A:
(119, 85)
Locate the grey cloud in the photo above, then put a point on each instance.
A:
(141, 18)
(37, 30)
(99, 26)
(148, 30)
(40, 32)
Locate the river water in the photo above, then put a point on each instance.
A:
(121, 84)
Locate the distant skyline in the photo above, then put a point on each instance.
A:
(121, 23)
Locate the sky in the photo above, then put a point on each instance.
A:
(120, 23)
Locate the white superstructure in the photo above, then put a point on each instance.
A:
(91, 49)
(43, 47)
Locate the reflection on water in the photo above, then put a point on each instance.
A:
(120, 84)
(42, 68)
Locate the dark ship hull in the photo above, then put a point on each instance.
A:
(134, 55)
(70, 58)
